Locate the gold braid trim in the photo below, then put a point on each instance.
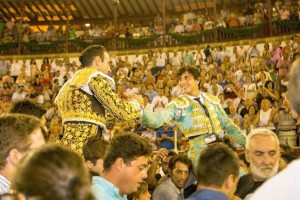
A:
(74, 105)
(103, 92)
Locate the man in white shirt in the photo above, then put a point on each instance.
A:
(132, 89)
(19, 95)
(176, 60)
(15, 69)
(179, 28)
(161, 60)
(159, 102)
(214, 83)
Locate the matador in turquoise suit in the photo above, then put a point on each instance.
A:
(198, 115)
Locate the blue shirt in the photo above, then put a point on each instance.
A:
(105, 190)
(166, 143)
(208, 195)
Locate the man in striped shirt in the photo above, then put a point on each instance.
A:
(19, 133)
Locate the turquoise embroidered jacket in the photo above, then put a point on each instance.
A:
(192, 121)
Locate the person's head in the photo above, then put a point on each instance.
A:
(93, 154)
(189, 78)
(19, 134)
(229, 102)
(269, 84)
(21, 88)
(294, 85)
(52, 172)
(29, 107)
(249, 79)
(262, 152)
(232, 109)
(179, 170)
(141, 194)
(126, 159)
(146, 99)
(252, 109)
(213, 80)
(97, 57)
(165, 161)
(221, 97)
(218, 167)
(265, 104)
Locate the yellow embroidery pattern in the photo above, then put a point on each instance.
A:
(76, 135)
(119, 108)
(82, 76)
(74, 105)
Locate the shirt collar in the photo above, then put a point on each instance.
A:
(200, 96)
(111, 187)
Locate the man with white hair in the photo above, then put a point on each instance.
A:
(286, 184)
(263, 154)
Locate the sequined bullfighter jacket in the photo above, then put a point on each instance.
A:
(192, 121)
(85, 103)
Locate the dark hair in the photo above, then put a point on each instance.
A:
(213, 77)
(28, 107)
(171, 153)
(53, 172)
(254, 106)
(128, 146)
(180, 158)
(15, 131)
(191, 70)
(94, 149)
(288, 153)
(242, 157)
(267, 83)
(88, 55)
(216, 162)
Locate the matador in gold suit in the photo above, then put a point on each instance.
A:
(86, 100)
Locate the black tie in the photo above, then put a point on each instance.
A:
(202, 105)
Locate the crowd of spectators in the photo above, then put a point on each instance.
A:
(249, 81)
(187, 23)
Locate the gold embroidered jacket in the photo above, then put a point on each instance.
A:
(88, 97)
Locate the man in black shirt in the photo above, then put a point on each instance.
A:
(262, 152)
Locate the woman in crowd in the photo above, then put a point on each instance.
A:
(265, 115)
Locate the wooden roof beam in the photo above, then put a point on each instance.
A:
(100, 8)
(139, 5)
(10, 13)
(122, 4)
(147, 5)
(107, 7)
(7, 15)
(93, 20)
(85, 10)
(37, 7)
(92, 7)
(54, 10)
(132, 7)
